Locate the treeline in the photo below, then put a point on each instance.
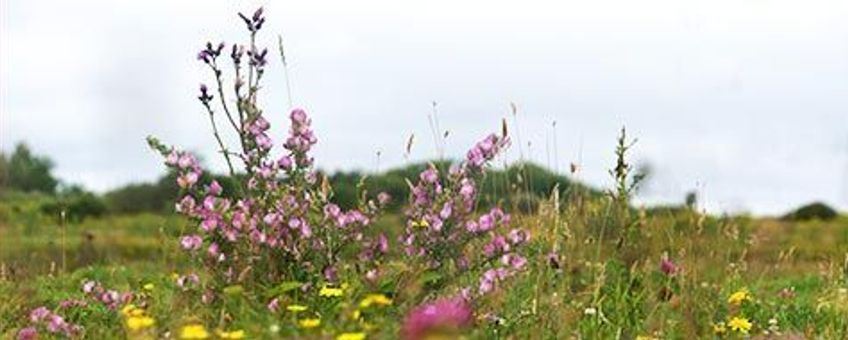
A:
(519, 186)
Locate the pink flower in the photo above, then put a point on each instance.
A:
(187, 180)
(214, 188)
(191, 242)
(429, 176)
(274, 305)
(29, 333)
(443, 316)
(668, 267)
(39, 314)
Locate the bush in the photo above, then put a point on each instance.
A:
(812, 211)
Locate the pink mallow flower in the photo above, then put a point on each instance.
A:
(443, 318)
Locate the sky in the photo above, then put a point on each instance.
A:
(744, 101)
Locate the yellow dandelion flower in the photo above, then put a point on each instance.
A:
(296, 308)
(375, 299)
(137, 312)
(423, 223)
(742, 325)
(739, 297)
(351, 336)
(194, 331)
(309, 323)
(238, 334)
(127, 309)
(330, 292)
(137, 323)
(149, 287)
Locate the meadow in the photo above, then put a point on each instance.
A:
(451, 249)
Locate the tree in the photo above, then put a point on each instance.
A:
(27, 172)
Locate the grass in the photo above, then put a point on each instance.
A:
(795, 273)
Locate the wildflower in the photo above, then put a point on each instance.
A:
(351, 336)
(309, 323)
(296, 308)
(740, 324)
(719, 328)
(149, 287)
(137, 323)
(127, 309)
(590, 311)
(739, 297)
(194, 331)
(667, 266)
(238, 334)
(191, 242)
(374, 299)
(444, 317)
(645, 337)
(330, 292)
(29, 333)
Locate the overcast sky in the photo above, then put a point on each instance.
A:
(744, 100)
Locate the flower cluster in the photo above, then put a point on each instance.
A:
(279, 221)
(50, 321)
(441, 226)
(110, 298)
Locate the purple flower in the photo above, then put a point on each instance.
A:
(57, 324)
(668, 267)
(274, 305)
(39, 314)
(214, 189)
(187, 180)
(443, 316)
(28, 333)
(430, 175)
(191, 242)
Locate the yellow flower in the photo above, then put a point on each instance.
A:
(194, 331)
(741, 325)
(309, 323)
(330, 292)
(127, 309)
(137, 323)
(423, 223)
(372, 299)
(351, 336)
(356, 314)
(149, 287)
(239, 334)
(739, 297)
(719, 328)
(645, 337)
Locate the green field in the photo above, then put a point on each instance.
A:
(795, 273)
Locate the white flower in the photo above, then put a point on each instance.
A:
(590, 311)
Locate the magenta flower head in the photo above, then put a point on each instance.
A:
(29, 333)
(668, 267)
(443, 318)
